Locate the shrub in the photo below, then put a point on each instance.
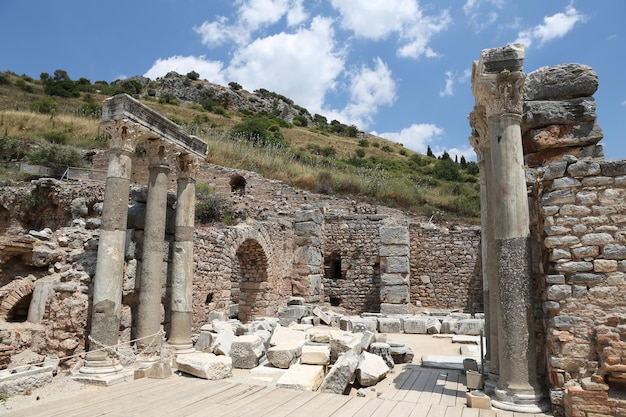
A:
(54, 136)
(55, 156)
(364, 143)
(235, 86)
(193, 75)
(386, 148)
(25, 87)
(212, 207)
(257, 131)
(300, 121)
(45, 105)
(324, 182)
(360, 153)
(446, 169)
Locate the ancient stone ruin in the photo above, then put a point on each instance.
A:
(109, 276)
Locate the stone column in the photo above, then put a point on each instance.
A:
(182, 256)
(395, 270)
(309, 261)
(151, 280)
(107, 291)
(482, 147)
(498, 85)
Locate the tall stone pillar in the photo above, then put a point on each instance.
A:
(151, 280)
(482, 147)
(498, 83)
(182, 256)
(107, 291)
(394, 252)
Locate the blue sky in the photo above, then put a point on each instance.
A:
(396, 68)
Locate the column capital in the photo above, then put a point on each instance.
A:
(188, 166)
(157, 152)
(500, 93)
(123, 134)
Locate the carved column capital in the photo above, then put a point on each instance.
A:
(187, 166)
(123, 134)
(157, 152)
(500, 93)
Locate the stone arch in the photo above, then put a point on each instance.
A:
(14, 306)
(253, 288)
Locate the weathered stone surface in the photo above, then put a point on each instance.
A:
(394, 294)
(341, 374)
(302, 377)
(246, 351)
(204, 342)
(284, 335)
(542, 113)
(371, 369)
(563, 136)
(384, 351)
(223, 342)
(205, 365)
(560, 82)
(23, 379)
(315, 355)
(389, 325)
(283, 356)
(470, 326)
(415, 324)
(343, 344)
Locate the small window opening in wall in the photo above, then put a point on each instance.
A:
(209, 298)
(333, 266)
(335, 301)
(19, 312)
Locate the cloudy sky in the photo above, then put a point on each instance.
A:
(396, 68)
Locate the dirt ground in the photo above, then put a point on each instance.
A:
(64, 386)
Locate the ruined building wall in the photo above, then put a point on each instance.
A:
(445, 267)
(351, 262)
(580, 206)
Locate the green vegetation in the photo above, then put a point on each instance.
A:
(50, 121)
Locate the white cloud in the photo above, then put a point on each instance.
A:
(553, 27)
(296, 14)
(378, 19)
(467, 152)
(449, 88)
(472, 9)
(209, 70)
(219, 32)
(370, 88)
(416, 137)
(257, 13)
(302, 66)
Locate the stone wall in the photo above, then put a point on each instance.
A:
(353, 242)
(580, 212)
(445, 267)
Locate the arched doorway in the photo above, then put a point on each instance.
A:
(254, 290)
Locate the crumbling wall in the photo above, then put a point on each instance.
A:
(581, 211)
(445, 267)
(351, 244)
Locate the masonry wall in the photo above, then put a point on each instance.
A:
(356, 239)
(445, 267)
(581, 217)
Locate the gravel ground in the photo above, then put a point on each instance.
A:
(64, 386)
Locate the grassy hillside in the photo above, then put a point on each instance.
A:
(54, 120)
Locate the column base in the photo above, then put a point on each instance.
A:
(520, 403)
(103, 372)
(182, 349)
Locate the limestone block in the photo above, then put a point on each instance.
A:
(205, 365)
(433, 326)
(223, 342)
(302, 377)
(613, 168)
(389, 308)
(283, 356)
(448, 325)
(415, 324)
(315, 355)
(394, 294)
(395, 235)
(319, 335)
(204, 342)
(395, 264)
(389, 325)
(312, 320)
(613, 251)
(395, 278)
(324, 318)
(265, 336)
(341, 374)
(367, 339)
(343, 344)
(470, 326)
(308, 216)
(384, 351)
(43, 255)
(560, 81)
(371, 369)
(360, 324)
(284, 335)
(478, 399)
(542, 113)
(216, 315)
(18, 381)
(246, 351)
(294, 311)
(296, 301)
(563, 136)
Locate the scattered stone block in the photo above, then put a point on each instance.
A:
(312, 320)
(341, 374)
(296, 301)
(470, 326)
(315, 355)
(324, 318)
(433, 326)
(18, 381)
(449, 325)
(478, 399)
(205, 365)
(371, 369)
(343, 344)
(204, 342)
(223, 342)
(361, 324)
(384, 351)
(389, 325)
(247, 351)
(317, 335)
(367, 339)
(302, 377)
(283, 356)
(284, 335)
(415, 324)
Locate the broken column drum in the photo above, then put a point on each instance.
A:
(498, 83)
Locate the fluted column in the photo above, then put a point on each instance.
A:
(151, 280)
(107, 291)
(498, 83)
(182, 255)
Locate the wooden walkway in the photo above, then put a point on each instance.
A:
(415, 392)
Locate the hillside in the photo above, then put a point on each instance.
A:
(54, 121)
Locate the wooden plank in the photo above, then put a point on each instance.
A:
(418, 387)
(289, 408)
(436, 410)
(406, 386)
(420, 410)
(323, 405)
(504, 413)
(371, 407)
(453, 411)
(427, 393)
(230, 407)
(487, 413)
(385, 409)
(352, 407)
(439, 387)
(470, 412)
(450, 389)
(397, 383)
(403, 409)
(272, 400)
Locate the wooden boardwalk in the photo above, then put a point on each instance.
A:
(415, 392)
